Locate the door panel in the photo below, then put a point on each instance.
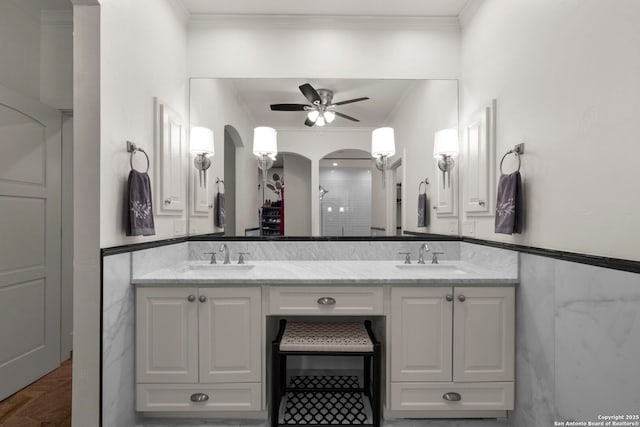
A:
(483, 345)
(230, 335)
(167, 335)
(421, 334)
(30, 142)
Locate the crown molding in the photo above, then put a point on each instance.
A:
(327, 21)
(469, 11)
(56, 18)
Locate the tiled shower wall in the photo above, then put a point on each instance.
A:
(577, 338)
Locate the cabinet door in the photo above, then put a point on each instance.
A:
(166, 335)
(446, 194)
(479, 165)
(421, 334)
(172, 159)
(483, 330)
(230, 349)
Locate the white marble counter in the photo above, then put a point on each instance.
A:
(326, 272)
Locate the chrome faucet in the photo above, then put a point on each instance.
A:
(423, 248)
(407, 257)
(434, 259)
(224, 248)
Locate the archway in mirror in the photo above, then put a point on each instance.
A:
(286, 200)
(345, 193)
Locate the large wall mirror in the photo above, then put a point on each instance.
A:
(324, 180)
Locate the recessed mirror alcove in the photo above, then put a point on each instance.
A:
(335, 157)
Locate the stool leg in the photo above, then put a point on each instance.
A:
(367, 375)
(275, 383)
(376, 392)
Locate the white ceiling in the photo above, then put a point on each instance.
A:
(259, 94)
(450, 8)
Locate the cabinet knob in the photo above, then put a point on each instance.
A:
(452, 396)
(326, 301)
(199, 397)
(435, 208)
(449, 297)
(461, 298)
(191, 298)
(167, 202)
(480, 203)
(202, 298)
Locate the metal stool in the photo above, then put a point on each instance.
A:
(325, 400)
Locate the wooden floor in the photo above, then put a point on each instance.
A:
(45, 403)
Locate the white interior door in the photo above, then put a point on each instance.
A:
(30, 159)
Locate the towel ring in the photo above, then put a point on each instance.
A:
(145, 155)
(505, 155)
(218, 181)
(425, 182)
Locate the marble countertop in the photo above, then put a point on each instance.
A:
(325, 273)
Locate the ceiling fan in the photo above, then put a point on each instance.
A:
(322, 108)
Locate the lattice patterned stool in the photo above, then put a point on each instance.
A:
(325, 400)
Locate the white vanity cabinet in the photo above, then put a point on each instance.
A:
(198, 349)
(452, 349)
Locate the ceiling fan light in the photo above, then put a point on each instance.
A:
(320, 121)
(313, 115)
(329, 116)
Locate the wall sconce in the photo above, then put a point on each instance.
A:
(201, 144)
(445, 146)
(383, 146)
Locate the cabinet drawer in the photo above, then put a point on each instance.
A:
(177, 397)
(325, 300)
(430, 396)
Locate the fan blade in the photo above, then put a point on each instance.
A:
(349, 101)
(344, 116)
(309, 122)
(310, 93)
(289, 107)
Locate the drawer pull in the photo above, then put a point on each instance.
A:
(326, 301)
(452, 396)
(449, 297)
(199, 397)
(191, 298)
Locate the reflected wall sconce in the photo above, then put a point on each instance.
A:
(383, 146)
(201, 144)
(445, 147)
(265, 146)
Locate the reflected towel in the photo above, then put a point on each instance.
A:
(423, 219)
(219, 212)
(140, 208)
(509, 204)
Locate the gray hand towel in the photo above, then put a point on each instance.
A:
(219, 212)
(509, 204)
(423, 219)
(140, 208)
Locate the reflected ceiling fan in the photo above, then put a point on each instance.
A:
(322, 108)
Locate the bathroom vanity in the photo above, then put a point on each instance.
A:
(447, 330)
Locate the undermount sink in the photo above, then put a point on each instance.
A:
(219, 268)
(442, 268)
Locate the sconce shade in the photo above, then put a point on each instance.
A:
(265, 141)
(445, 142)
(201, 140)
(383, 142)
